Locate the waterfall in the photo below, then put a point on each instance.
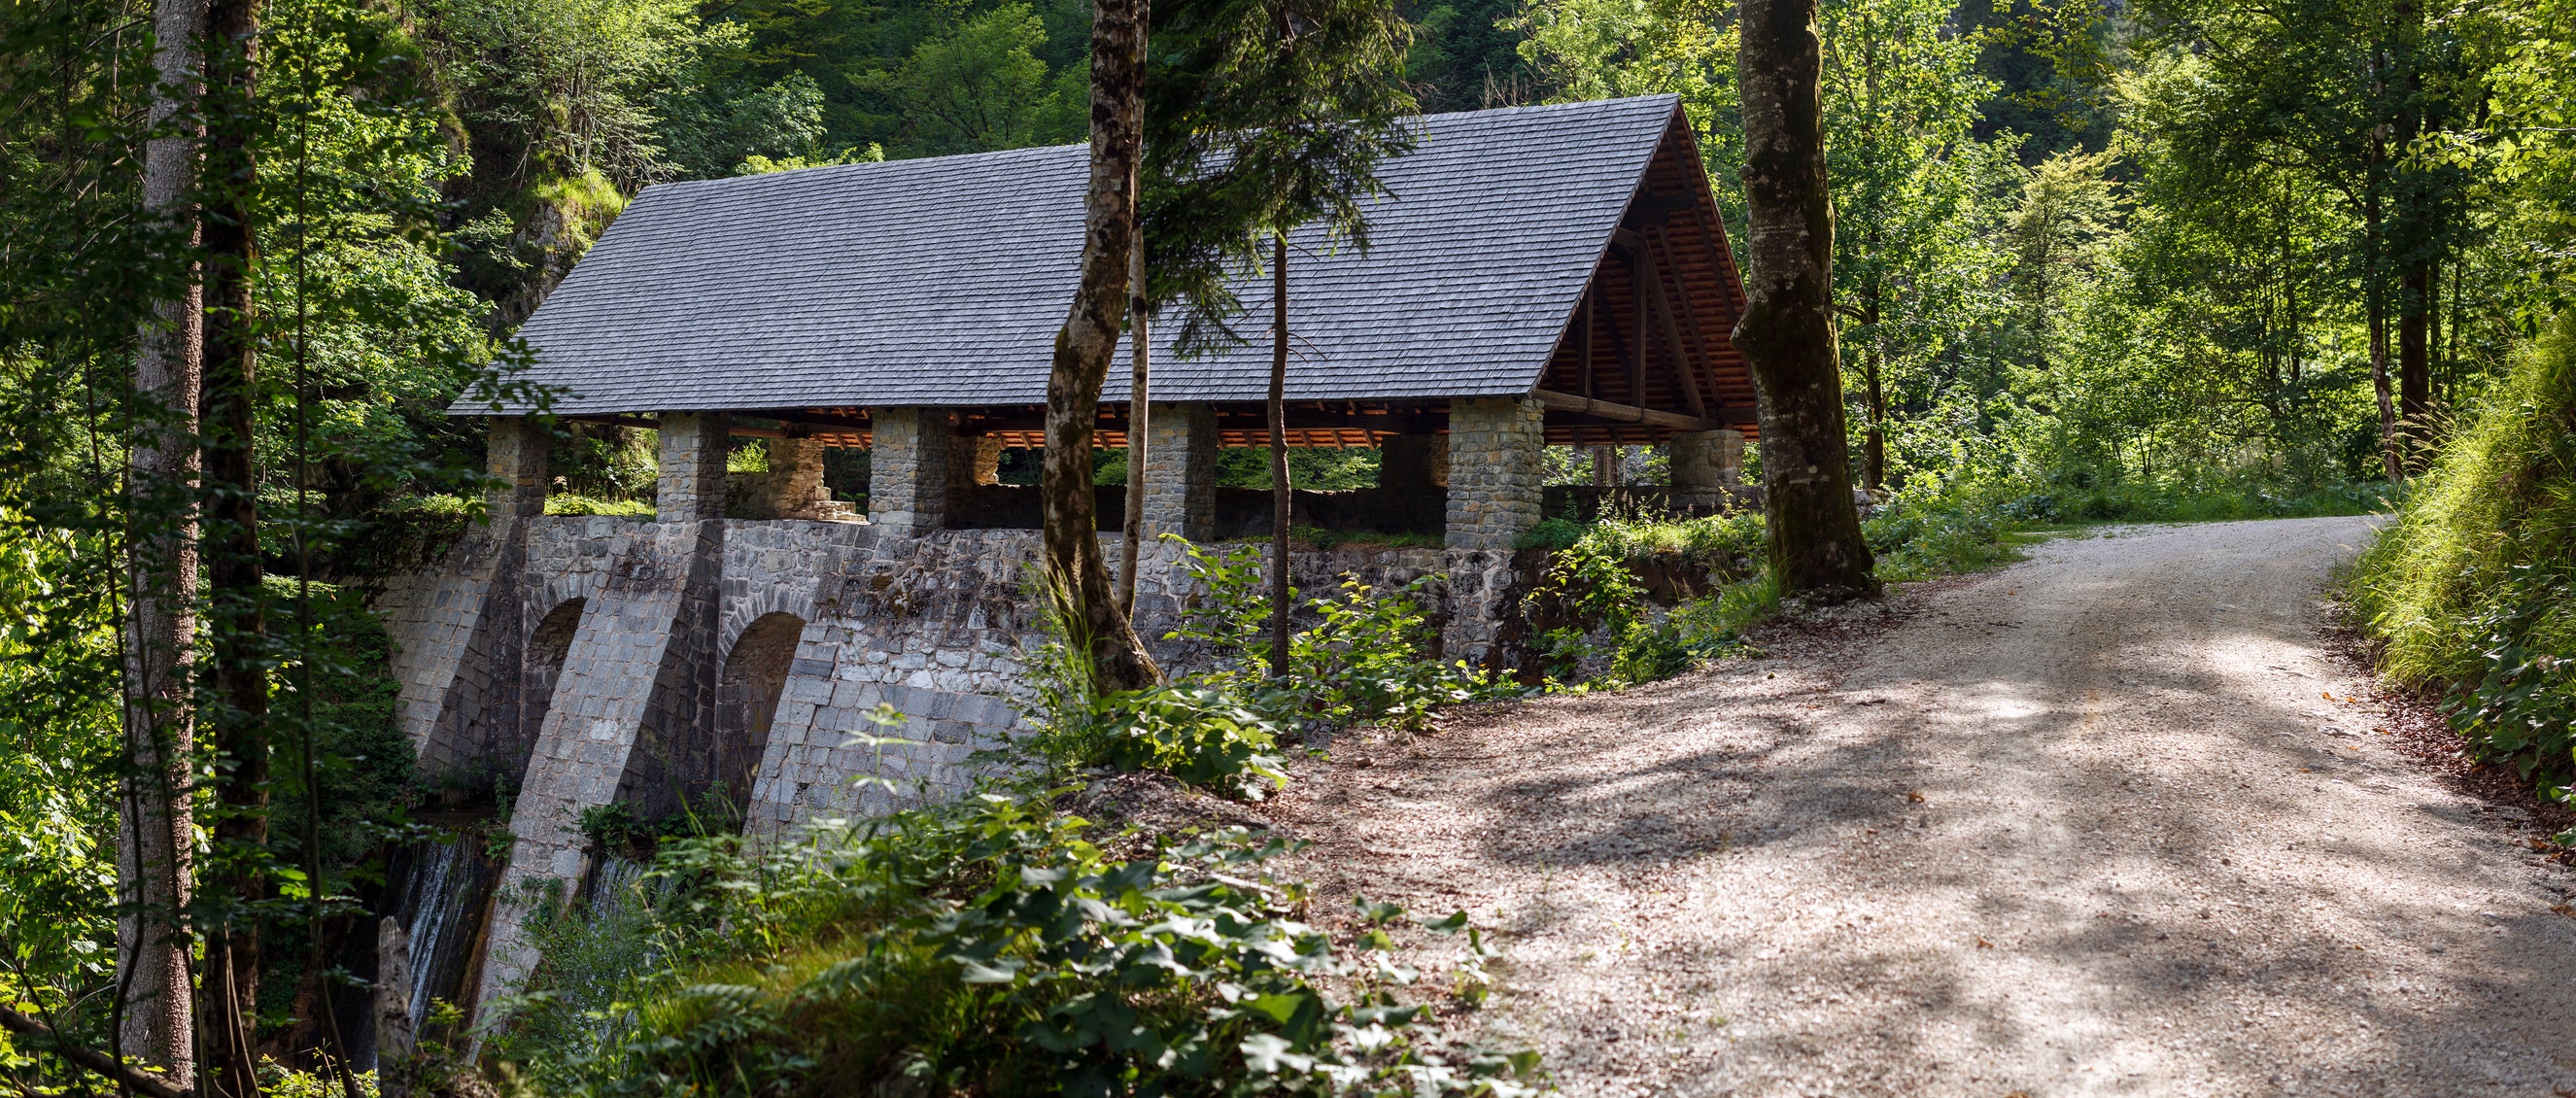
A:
(441, 891)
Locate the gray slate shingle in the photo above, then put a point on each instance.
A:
(943, 281)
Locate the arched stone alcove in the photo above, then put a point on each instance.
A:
(747, 703)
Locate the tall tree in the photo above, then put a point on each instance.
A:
(1264, 115)
(1140, 355)
(1076, 573)
(154, 843)
(1787, 331)
(1901, 97)
(235, 880)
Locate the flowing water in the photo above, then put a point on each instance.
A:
(440, 891)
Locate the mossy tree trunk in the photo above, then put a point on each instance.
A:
(1787, 331)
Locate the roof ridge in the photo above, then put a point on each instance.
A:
(996, 155)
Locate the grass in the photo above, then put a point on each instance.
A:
(2472, 588)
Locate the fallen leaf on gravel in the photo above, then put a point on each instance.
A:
(1914, 796)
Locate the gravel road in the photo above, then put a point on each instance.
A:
(2085, 825)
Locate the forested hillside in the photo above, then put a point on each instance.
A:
(2091, 261)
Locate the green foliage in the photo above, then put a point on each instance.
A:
(362, 760)
(1261, 116)
(2466, 586)
(1362, 661)
(1202, 736)
(988, 947)
(569, 504)
(1920, 539)
(2521, 706)
(1597, 625)
(982, 87)
(58, 716)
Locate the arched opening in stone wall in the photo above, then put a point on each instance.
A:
(540, 668)
(747, 692)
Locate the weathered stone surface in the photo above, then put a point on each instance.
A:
(792, 488)
(1705, 464)
(1180, 471)
(691, 486)
(913, 468)
(1496, 471)
(618, 637)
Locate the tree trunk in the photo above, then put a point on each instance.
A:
(1787, 330)
(1139, 352)
(1874, 474)
(153, 847)
(1084, 347)
(237, 648)
(1280, 491)
(2415, 358)
(2376, 304)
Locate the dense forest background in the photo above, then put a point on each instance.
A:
(2095, 259)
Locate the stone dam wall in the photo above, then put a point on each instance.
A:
(574, 661)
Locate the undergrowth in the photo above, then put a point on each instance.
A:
(2472, 588)
(1000, 945)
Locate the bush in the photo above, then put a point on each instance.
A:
(1597, 628)
(988, 947)
(566, 503)
(2466, 588)
(1919, 539)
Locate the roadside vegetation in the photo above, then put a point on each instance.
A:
(2471, 590)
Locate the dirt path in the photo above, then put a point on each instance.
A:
(2081, 826)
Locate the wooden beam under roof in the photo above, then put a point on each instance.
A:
(1568, 402)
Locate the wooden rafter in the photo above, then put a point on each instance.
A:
(1685, 368)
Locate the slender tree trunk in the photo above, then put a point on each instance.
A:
(2435, 371)
(156, 1023)
(2289, 284)
(237, 650)
(2376, 304)
(1874, 474)
(1139, 351)
(1281, 494)
(1787, 330)
(1089, 339)
(2415, 358)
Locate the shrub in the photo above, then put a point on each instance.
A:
(1592, 606)
(988, 947)
(566, 503)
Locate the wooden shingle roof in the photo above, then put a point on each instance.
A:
(943, 281)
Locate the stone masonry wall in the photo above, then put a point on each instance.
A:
(932, 625)
(1497, 471)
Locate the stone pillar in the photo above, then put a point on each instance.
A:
(1705, 464)
(911, 470)
(1413, 462)
(1497, 450)
(791, 489)
(516, 453)
(691, 487)
(1180, 471)
(987, 468)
